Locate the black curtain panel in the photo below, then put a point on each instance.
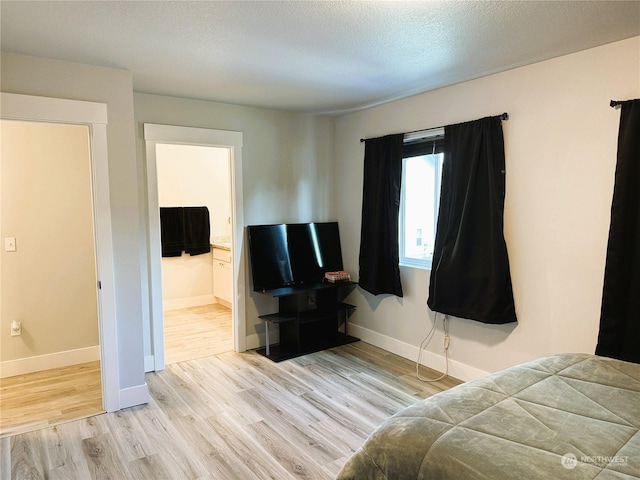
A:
(470, 275)
(619, 335)
(379, 249)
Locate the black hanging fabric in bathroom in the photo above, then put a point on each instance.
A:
(185, 229)
(197, 230)
(172, 231)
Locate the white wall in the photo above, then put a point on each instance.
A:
(51, 78)
(50, 280)
(560, 143)
(193, 176)
(196, 176)
(288, 169)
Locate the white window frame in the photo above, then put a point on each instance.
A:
(405, 261)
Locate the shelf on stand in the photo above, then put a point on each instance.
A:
(278, 354)
(277, 318)
(309, 319)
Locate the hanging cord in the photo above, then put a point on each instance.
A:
(425, 342)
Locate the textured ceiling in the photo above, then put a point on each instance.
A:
(318, 57)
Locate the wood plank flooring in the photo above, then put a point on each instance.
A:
(197, 332)
(41, 399)
(231, 416)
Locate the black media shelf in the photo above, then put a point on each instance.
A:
(278, 353)
(277, 318)
(310, 318)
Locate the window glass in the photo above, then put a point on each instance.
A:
(420, 197)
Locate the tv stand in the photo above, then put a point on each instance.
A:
(310, 318)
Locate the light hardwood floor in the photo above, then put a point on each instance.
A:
(50, 397)
(32, 401)
(197, 332)
(231, 416)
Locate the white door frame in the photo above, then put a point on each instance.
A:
(167, 134)
(94, 116)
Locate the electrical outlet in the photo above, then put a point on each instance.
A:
(10, 244)
(16, 329)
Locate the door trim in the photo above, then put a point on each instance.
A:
(93, 115)
(155, 134)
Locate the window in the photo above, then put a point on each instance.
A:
(420, 198)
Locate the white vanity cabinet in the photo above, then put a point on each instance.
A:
(222, 276)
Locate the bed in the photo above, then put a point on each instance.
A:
(573, 416)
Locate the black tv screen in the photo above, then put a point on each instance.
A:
(289, 255)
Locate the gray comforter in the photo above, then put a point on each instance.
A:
(572, 416)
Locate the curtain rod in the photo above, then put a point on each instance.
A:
(615, 103)
(504, 116)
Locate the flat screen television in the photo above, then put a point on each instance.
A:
(293, 255)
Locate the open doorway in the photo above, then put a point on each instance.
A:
(57, 254)
(226, 260)
(51, 296)
(196, 283)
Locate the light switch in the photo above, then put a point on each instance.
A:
(10, 244)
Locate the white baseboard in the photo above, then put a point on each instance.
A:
(189, 302)
(132, 396)
(257, 340)
(254, 341)
(432, 360)
(149, 363)
(38, 363)
(223, 302)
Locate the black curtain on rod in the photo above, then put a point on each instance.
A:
(470, 277)
(379, 249)
(619, 335)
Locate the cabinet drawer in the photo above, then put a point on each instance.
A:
(220, 254)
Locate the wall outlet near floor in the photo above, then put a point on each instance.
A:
(10, 244)
(16, 328)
